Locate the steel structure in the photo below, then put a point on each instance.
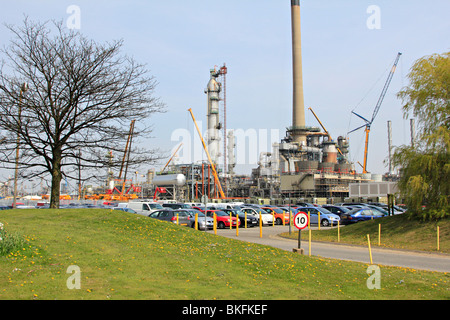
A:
(368, 123)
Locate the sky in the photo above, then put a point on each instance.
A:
(348, 49)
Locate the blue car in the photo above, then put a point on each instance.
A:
(326, 217)
(360, 214)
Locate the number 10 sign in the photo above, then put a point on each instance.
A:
(301, 220)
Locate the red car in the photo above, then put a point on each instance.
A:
(223, 219)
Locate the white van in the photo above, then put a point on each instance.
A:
(144, 208)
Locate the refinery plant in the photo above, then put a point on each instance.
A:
(307, 164)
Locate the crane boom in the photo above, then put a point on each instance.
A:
(375, 112)
(216, 177)
(385, 88)
(326, 131)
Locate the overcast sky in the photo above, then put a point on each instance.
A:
(348, 51)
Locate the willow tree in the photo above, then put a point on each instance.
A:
(80, 100)
(425, 166)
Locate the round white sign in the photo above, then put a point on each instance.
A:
(301, 220)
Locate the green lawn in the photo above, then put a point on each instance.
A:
(397, 232)
(126, 256)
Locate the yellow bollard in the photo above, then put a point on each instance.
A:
(237, 226)
(178, 221)
(318, 220)
(284, 217)
(196, 221)
(339, 232)
(379, 234)
(273, 219)
(309, 221)
(215, 223)
(231, 222)
(370, 250)
(260, 226)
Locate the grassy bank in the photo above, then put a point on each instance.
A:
(397, 232)
(126, 256)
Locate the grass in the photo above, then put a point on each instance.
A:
(126, 256)
(397, 232)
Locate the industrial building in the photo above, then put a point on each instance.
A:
(306, 165)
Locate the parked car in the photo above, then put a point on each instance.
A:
(222, 218)
(278, 213)
(305, 204)
(293, 210)
(385, 207)
(177, 205)
(203, 222)
(267, 218)
(360, 214)
(144, 208)
(199, 208)
(326, 217)
(125, 209)
(379, 209)
(251, 220)
(338, 210)
(171, 216)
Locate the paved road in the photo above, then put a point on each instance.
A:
(380, 256)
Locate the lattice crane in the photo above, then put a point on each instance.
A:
(375, 112)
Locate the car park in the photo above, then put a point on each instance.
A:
(203, 222)
(267, 218)
(326, 217)
(251, 220)
(171, 215)
(223, 219)
(279, 214)
(360, 214)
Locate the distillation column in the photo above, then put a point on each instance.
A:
(213, 91)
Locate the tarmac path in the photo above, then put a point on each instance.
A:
(380, 256)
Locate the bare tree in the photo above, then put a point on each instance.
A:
(81, 98)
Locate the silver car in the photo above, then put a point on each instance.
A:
(203, 222)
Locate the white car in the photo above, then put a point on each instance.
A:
(267, 218)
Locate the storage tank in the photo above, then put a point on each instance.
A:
(329, 152)
(170, 180)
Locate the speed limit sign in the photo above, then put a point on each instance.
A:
(301, 220)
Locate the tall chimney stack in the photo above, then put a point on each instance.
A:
(298, 114)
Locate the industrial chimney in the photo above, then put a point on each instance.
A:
(298, 130)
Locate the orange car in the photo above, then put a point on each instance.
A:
(279, 214)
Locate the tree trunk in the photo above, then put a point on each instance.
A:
(56, 181)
